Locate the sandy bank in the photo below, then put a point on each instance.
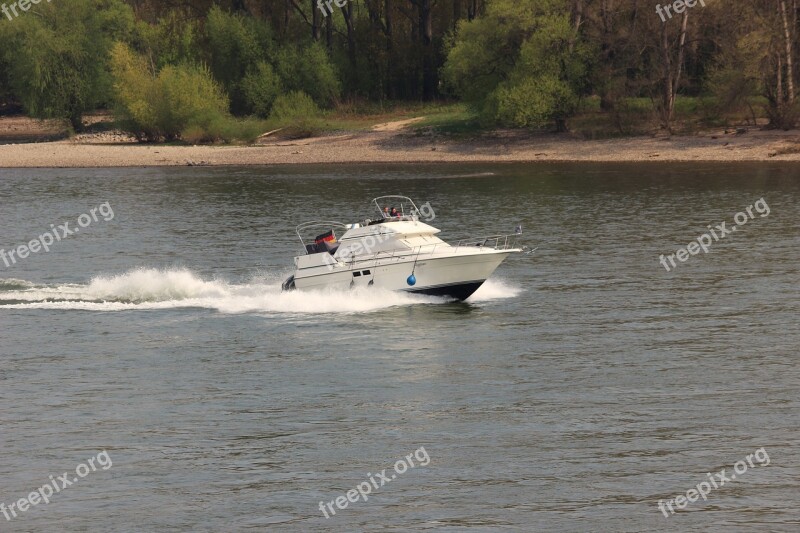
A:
(389, 144)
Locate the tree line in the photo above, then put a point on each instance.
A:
(172, 68)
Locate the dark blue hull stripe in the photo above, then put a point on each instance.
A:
(461, 291)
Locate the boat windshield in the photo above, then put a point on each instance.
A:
(396, 208)
(320, 236)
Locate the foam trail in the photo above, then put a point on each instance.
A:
(150, 285)
(494, 289)
(15, 284)
(144, 289)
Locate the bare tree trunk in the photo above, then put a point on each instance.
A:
(287, 8)
(316, 27)
(679, 66)
(667, 97)
(607, 100)
(329, 32)
(391, 89)
(787, 34)
(428, 63)
(425, 16)
(576, 21)
(672, 79)
(472, 9)
(347, 11)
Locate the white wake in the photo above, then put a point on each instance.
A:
(142, 289)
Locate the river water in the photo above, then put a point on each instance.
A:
(583, 384)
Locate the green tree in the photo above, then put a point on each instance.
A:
(167, 104)
(172, 40)
(765, 53)
(522, 64)
(237, 44)
(308, 69)
(58, 57)
(261, 86)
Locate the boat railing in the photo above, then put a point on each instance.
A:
(495, 242)
(393, 254)
(407, 209)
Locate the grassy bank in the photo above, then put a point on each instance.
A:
(634, 117)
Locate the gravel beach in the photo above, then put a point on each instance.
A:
(386, 143)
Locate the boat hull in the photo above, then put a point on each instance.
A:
(455, 274)
(459, 291)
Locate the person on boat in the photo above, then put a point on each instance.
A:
(394, 212)
(386, 211)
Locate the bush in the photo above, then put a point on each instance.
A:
(135, 92)
(294, 106)
(534, 102)
(310, 70)
(297, 113)
(260, 88)
(227, 129)
(182, 100)
(189, 96)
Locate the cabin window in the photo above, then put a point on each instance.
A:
(366, 272)
(356, 274)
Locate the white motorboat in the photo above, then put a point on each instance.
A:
(396, 251)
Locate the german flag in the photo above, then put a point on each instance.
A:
(325, 237)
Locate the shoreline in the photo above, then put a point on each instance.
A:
(399, 145)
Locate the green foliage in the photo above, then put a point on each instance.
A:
(534, 101)
(261, 87)
(254, 72)
(294, 106)
(135, 92)
(732, 92)
(521, 65)
(57, 57)
(236, 43)
(174, 39)
(188, 97)
(297, 113)
(749, 67)
(180, 100)
(237, 46)
(455, 119)
(483, 52)
(309, 69)
(225, 128)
